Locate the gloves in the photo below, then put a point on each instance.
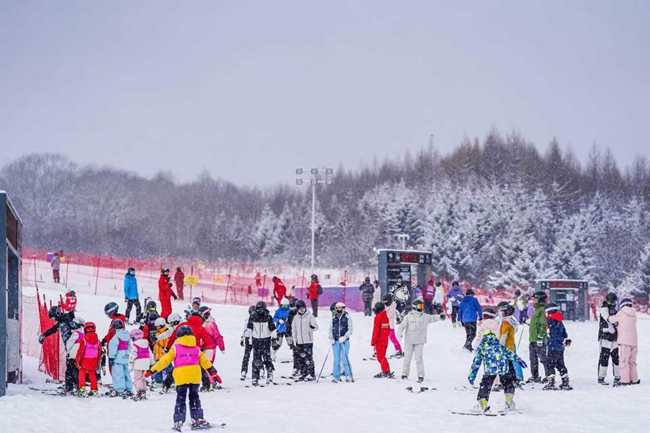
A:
(331, 340)
(567, 342)
(471, 382)
(174, 296)
(274, 334)
(443, 317)
(111, 362)
(223, 352)
(540, 342)
(171, 284)
(290, 341)
(281, 321)
(216, 377)
(241, 341)
(41, 338)
(342, 339)
(522, 363)
(147, 374)
(165, 350)
(126, 300)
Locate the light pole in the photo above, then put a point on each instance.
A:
(316, 178)
(403, 237)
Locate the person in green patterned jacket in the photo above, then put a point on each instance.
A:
(537, 337)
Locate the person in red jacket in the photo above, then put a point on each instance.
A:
(88, 357)
(314, 292)
(279, 289)
(165, 293)
(203, 339)
(380, 332)
(179, 279)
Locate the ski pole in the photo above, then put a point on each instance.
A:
(522, 334)
(321, 369)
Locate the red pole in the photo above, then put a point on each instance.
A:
(97, 277)
(227, 286)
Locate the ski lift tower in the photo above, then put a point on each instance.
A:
(10, 294)
(394, 263)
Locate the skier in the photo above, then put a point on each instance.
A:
(56, 267)
(507, 332)
(150, 307)
(497, 361)
(119, 350)
(302, 330)
(140, 360)
(150, 330)
(489, 323)
(247, 344)
(537, 338)
(339, 334)
(455, 295)
(438, 299)
(71, 350)
(293, 310)
(607, 337)
(414, 329)
(65, 324)
(380, 332)
(428, 294)
(367, 292)
(391, 312)
(131, 295)
(188, 361)
(193, 308)
(627, 341)
(70, 303)
(87, 359)
(469, 312)
(165, 293)
(216, 340)
(401, 296)
(261, 328)
(160, 347)
(280, 318)
(557, 340)
(314, 292)
(179, 279)
(279, 289)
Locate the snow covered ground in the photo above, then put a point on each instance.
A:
(373, 405)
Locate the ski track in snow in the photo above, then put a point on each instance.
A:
(377, 405)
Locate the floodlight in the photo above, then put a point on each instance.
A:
(314, 171)
(329, 171)
(299, 171)
(298, 181)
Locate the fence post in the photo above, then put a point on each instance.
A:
(67, 266)
(35, 282)
(225, 301)
(97, 277)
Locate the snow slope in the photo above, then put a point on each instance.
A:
(377, 405)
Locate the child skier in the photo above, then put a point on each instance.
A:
(497, 360)
(216, 340)
(380, 331)
(391, 312)
(302, 330)
(70, 303)
(119, 349)
(507, 332)
(193, 307)
(627, 341)
(261, 328)
(608, 337)
(414, 327)
(557, 339)
(88, 358)
(489, 323)
(247, 344)
(280, 318)
(71, 350)
(162, 338)
(141, 359)
(188, 361)
(112, 312)
(339, 334)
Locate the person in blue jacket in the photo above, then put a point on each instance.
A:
(455, 295)
(131, 295)
(469, 313)
(280, 318)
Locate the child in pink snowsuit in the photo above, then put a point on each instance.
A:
(627, 342)
(216, 340)
(141, 359)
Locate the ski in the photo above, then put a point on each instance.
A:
(492, 414)
(466, 388)
(209, 426)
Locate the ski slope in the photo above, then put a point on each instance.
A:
(369, 404)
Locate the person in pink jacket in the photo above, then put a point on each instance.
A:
(627, 342)
(216, 340)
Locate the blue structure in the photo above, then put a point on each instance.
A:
(10, 294)
(394, 263)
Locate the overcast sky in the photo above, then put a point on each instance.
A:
(252, 90)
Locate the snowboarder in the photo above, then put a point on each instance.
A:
(497, 361)
(131, 295)
(455, 295)
(246, 342)
(119, 350)
(380, 332)
(165, 293)
(537, 338)
(140, 360)
(367, 294)
(179, 279)
(261, 328)
(414, 329)
(88, 358)
(469, 313)
(557, 340)
(280, 318)
(339, 334)
(391, 312)
(627, 341)
(302, 330)
(607, 337)
(279, 290)
(188, 361)
(314, 292)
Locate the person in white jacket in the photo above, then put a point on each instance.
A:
(302, 331)
(413, 333)
(140, 360)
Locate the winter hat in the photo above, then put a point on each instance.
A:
(489, 313)
(136, 334)
(551, 307)
(627, 302)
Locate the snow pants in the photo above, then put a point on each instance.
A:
(537, 355)
(555, 361)
(381, 358)
(409, 351)
(314, 307)
(629, 374)
(165, 308)
(486, 384)
(180, 411)
(394, 340)
(179, 291)
(454, 314)
(470, 333)
(121, 378)
(129, 305)
(248, 347)
(367, 306)
(206, 379)
(340, 352)
(306, 360)
(276, 344)
(55, 275)
(71, 375)
(91, 376)
(139, 382)
(428, 306)
(608, 349)
(261, 356)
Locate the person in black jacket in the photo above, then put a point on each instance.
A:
(293, 310)
(368, 292)
(608, 339)
(261, 328)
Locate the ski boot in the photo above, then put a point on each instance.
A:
(113, 393)
(404, 377)
(534, 379)
(92, 393)
(379, 375)
(243, 375)
(565, 386)
(310, 378)
(178, 426)
(199, 423)
(255, 382)
(510, 404)
(295, 373)
(389, 375)
(348, 379)
(617, 382)
(399, 355)
(420, 379)
(481, 406)
(550, 385)
(335, 380)
(81, 392)
(269, 378)
(601, 381)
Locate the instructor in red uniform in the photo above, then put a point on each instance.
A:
(279, 289)
(165, 293)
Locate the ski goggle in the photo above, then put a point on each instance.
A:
(418, 306)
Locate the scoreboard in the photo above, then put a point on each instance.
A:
(408, 257)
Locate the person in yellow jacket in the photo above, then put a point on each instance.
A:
(188, 361)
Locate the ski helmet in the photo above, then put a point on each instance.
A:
(517, 292)
(379, 307)
(274, 278)
(73, 293)
(284, 302)
(196, 300)
(292, 303)
(174, 319)
(367, 280)
(469, 292)
(151, 306)
(388, 299)
(117, 324)
(314, 277)
(55, 312)
(136, 334)
(89, 327)
(418, 305)
(333, 307)
(300, 304)
(540, 296)
(611, 298)
(111, 309)
(251, 309)
(164, 271)
(183, 331)
(438, 284)
(551, 307)
(260, 306)
(489, 313)
(399, 277)
(131, 271)
(205, 312)
(159, 322)
(626, 302)
(152, 317)
(178, 268)
(340, 305)
(455, 283)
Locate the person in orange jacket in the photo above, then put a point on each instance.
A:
(314, 292)
(165, 293)
(379, 341)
